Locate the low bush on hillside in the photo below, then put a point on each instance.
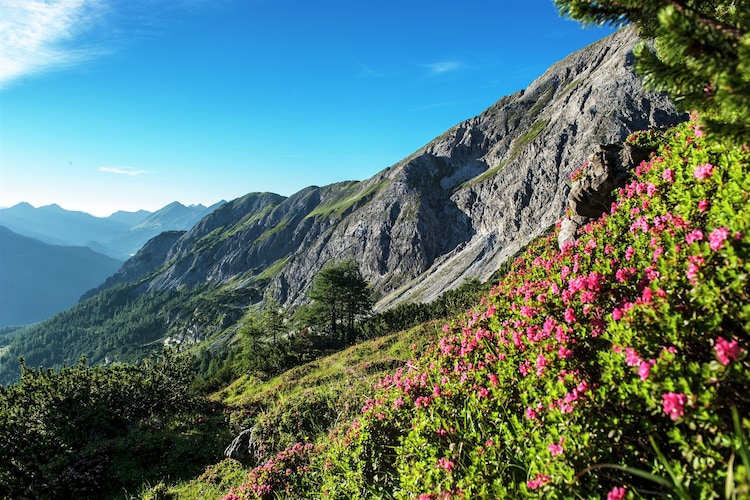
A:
(96, 432)
(615, 368)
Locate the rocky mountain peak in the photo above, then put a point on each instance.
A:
(455, 209)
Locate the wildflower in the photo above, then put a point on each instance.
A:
(570, 316)
(493, 379)
(644, 369)
(668, 175)
(446, 464)
(538, 481)
(727, 350)
(541, 362)
(703, 171)
(717, 238)
(556, 448)
(629, 253)
(696, 235)
(703, 205)
(631, 357)
(530, 413)
(673, 404)
(617, 493)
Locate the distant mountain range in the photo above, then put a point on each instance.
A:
(119, 236)
(38, 280)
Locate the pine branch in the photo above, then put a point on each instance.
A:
(710, 23)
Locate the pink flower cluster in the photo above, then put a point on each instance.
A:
(727, 350)
(703, 171)
(673, 404)
(538, 481)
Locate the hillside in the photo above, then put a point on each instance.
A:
(616, 367)
(39, 280)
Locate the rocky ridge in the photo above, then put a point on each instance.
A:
(455, 209)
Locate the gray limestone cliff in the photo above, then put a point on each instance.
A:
(453, 210)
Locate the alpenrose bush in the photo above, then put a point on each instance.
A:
(615, 368)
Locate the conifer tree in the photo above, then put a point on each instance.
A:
(701, 54)
(339, 297)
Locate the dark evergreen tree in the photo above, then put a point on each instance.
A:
(339, 297)
(701, 54)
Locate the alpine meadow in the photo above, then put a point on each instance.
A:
(549, 300)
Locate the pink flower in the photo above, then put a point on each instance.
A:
(631, 357)
(446, 464)
(727, 350)
(570, 316)
(556, 448)
(493, 379)
(538, 481)
(673, 404)
(696, 235)
(629, 253)
(644, 369)
(541, 362)
(530, 413)
(617, 493)
(668, 175)
(703, 205)
(524, 367)
(717, 238)
(703, 171)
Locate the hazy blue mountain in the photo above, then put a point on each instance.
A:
(119, 236)
(129, 218)
(55, 225)
(38, 280)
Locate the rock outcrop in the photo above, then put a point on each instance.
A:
(244, 448)
(591, 195)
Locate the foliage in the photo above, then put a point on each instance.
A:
(123, 324)
(409, 314)
(339, 296)
(93, 431)
(614, 368)
(701, 56)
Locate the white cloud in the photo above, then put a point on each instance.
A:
(123, 171)
(37, 35)
(443, 67)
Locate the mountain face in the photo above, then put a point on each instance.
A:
(119, 236)
(457, 208)
(39, 280)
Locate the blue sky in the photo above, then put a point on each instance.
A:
(128, 105)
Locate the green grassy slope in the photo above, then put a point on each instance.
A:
(616, 368)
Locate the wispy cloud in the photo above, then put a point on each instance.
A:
(40, 35)
(123, 171)
(438, 68)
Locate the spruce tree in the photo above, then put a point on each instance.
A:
(700, 55)
(339, 297)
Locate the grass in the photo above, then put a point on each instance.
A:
(335, 209)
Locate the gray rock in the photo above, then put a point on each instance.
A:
(592, 195)
(244, 448)
(454, 210)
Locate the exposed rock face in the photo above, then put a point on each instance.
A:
(592, 194)
(244, 448)
(455, 209)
